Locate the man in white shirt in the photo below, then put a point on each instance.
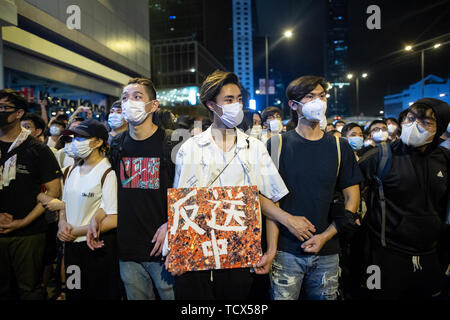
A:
(225, 156)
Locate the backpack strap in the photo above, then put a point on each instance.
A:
(338, 146)
(384, 165)
(67, 173)
(277, 142)
(104, 176)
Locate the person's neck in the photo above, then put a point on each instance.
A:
(309, 130)
(118, 130)
(143, 131)
(94, 158)
(54, 138)
(10, 133)
(223, 136)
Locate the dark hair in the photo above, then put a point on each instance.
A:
(116, 104)
(268, 112)
(76, 119)
(147, 83)
(185, 122)
(163, 118)
(62, 117)
(339, 121)
(59, 123)
(214, 83)
(392, 119)
(300, 87)
(349, 127)
(247, 122)
(15, 98)
(420, 109)
(369, 129)
(330, 124)
(402, 116)
(38, 122)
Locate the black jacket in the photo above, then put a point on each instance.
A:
(416, 189)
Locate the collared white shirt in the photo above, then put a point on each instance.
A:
(199, 161)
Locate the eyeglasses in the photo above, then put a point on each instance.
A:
(425, 122)
(379, 129)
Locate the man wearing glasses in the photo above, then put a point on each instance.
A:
(405, 245)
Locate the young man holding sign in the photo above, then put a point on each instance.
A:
(223, 156)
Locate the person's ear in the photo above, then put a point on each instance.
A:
(154, 104)
(210, 105)
(293, 105)
(38, 132)
(20, 113)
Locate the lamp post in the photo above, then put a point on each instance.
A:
(422, 63)
(287, 34)
(349, 77)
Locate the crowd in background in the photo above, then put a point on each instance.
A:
(347, 196)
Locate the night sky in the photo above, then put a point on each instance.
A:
(377, 52)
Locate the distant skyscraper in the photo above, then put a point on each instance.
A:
(243, 43)
(336, 57)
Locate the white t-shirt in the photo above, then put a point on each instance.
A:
(83, 195)
(200, 160)
(63, 159)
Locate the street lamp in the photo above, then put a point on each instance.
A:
(287, 34)
(422, 62)
(364, 75)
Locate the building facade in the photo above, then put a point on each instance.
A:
(435, 87)
(74, 52)
(336, 57)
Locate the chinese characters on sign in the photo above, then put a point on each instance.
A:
(214, 228)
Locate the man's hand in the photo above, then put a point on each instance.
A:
(158, 240)
(315, 244)
(7, 227)
(5, 218)
(65, 232)
(93, 235)
(301, 227)
(55, 205)
(263, 266)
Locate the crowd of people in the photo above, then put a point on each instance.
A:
(83, 204)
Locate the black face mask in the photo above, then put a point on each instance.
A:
(4, 115)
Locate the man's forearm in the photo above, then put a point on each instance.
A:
(272, 232)
(272, 211)
(109, 223)
(330, 232)
(33, 215)
(352, 198)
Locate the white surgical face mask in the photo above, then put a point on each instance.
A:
(448, 128)
(392, 128)
(275, 125)
(415, 136)
(256, 131)
(380, 136)
(232, 114)
(134, 112)
(313, 111)
(81, 148)
(55, 131)
(68, 150)
(115, 120)
(339, 128)
(367, 143)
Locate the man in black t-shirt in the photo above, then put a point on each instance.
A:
(25, 165)
(141, 158)
(312, 164)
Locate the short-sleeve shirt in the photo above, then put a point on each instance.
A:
(199, 161)
(35, 166)
(310, 171)
(84, 194)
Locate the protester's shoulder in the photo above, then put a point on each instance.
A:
(369, 156)
(34, 145)
(118, 139)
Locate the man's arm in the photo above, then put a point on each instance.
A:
(272, 232)
(299, 226)
(44, 115)
(53, 190)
